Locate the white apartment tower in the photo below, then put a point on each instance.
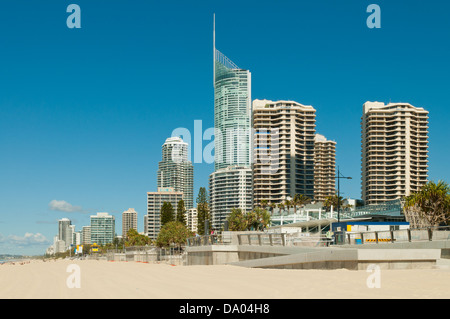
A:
(394, 151)
(191, 217)
(102, 228)
(65, 232)
(229, 188)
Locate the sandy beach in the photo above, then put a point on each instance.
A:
(104, 280)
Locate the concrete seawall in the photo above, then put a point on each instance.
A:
(312, 258)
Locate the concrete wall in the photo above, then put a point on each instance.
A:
(311, 258)
(211, 255)
(443, 245)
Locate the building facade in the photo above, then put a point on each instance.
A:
(176, 171)
(232, 113)
(191, 217)
(129, 221)
(324, 168)
(155, 201)
(394, 151)
(102, 228)
(86, 235)
(229, 188)
(284, 141)
(65, 232)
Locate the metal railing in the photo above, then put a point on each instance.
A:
(263, 239)
(260, 239)
(147, 254)
(397, 236)
(318, 240)
(204, 240)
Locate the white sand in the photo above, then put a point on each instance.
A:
(101, 279)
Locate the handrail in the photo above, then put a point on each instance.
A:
(412, 235)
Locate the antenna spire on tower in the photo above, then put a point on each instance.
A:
(214, 49)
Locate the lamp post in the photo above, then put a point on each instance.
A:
(339, 176)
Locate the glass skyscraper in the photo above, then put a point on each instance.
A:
(232, 113)
(230, 186)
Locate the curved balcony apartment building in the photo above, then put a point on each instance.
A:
(230, 188)
(394, 151)
(324, 168)
(284, 138)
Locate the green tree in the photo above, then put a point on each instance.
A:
(202, 210)
(333, 201)
(272, 207)
(167, 213)
(433, 203)
(288, 204)
(280, 207)
(264, 218)
(173, 234)
(300, 200)
(181, 210)
(237, 220)
(257, 219)
(263, 203)
(136, 239)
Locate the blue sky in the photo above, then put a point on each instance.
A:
(84, 112)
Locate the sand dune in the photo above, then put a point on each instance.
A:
(101, 279)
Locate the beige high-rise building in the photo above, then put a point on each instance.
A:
(394, 151)
(86, 235)
(324, 168)
(129, 221)
(283, 150)
(155, 200)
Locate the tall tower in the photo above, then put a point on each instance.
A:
(394, 151)
(324, 168)
(129, 221)
(233, 138)
(284, 150)
(176, 171)
(65, 232)
(232, 112)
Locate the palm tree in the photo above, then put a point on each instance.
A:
(300, 200)
(294, 203)
(272, 207)
(333, 201)
(280, 207)
(263, 203)
(288, 204)
(432, 202)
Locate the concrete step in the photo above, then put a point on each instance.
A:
(442, 263)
